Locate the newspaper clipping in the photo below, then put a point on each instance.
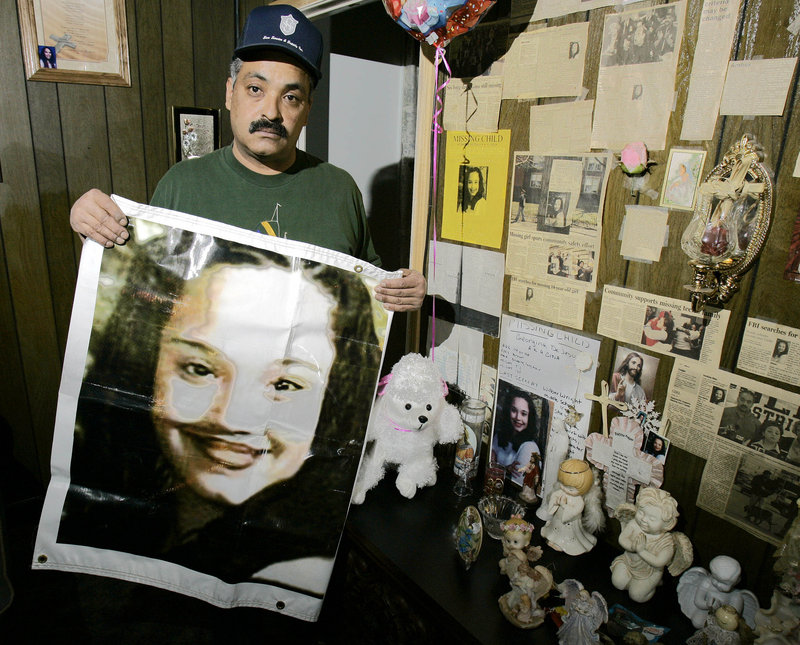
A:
(563, 305)
(556, 218)
(747, 432)
(771, 350)
(663, 325)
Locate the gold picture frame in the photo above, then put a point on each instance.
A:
(75, 41)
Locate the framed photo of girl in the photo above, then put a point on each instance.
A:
(75, 41)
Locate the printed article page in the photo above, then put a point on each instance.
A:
(663, 325)
(747, 432)
(555, 218)
(771, 350)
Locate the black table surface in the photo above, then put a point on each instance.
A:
(412, 540)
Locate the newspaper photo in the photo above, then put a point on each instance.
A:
(663, 325)
(636, 81)
(748, 433)
(556, 216)
(708, 406)
(771, 350)
(753, 491)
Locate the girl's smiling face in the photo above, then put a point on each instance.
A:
(519, 414)
(240, 380)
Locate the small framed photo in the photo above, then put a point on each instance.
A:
(195, 132)
(684, 168)
(656, 446)
(69, 42)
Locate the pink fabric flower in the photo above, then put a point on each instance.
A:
(634, 158)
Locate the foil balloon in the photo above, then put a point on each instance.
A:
(437, 22)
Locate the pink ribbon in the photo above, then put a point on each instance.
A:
(437, 130)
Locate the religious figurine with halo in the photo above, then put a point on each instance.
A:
(649, 543)
(575, 509)
(528, 584)
(700, 592)
(585, 613)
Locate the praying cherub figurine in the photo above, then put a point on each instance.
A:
(649, 543)
(528, 584)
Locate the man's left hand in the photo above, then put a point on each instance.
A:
(403, 294)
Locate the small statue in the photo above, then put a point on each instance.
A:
(528, 584)
(700, 592)
(557, 451)
(531, 477)
(585, 613)
(723, 626)
(574, 508)
(649, 543)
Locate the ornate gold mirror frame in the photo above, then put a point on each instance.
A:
(730, 225)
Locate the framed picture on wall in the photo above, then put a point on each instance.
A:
(75, 41)
(684, 168)
(195, 132)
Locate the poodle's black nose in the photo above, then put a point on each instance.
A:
(422, 419)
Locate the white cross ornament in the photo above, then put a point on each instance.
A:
(623, 461)
(605, 400)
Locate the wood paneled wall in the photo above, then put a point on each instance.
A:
(762, 31)
(58, 140)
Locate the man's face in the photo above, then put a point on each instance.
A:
(269, 106)
(240, 380)
(635, 366)
(744, 401)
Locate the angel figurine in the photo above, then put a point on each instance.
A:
(585, 613)
(649, 543)
(575, 509)
(528, 584)
(700, 592)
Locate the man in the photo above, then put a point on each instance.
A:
(521, 209)
(685, 338)
(262, 181)
(738, 422)
(626, 381)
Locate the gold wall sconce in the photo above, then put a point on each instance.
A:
(730, 224)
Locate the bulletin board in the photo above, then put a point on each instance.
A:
(768, 294)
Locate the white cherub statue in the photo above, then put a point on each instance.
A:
(528, 584)
(700, 592)
(575, 509)
(649, 543)
(410, 417)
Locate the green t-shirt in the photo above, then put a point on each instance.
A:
(313, 201)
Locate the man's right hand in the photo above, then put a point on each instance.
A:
(96, 216)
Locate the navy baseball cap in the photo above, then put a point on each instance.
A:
(284, 28)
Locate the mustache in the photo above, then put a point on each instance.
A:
(270, 126)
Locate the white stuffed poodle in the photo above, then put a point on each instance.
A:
(409, 418)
